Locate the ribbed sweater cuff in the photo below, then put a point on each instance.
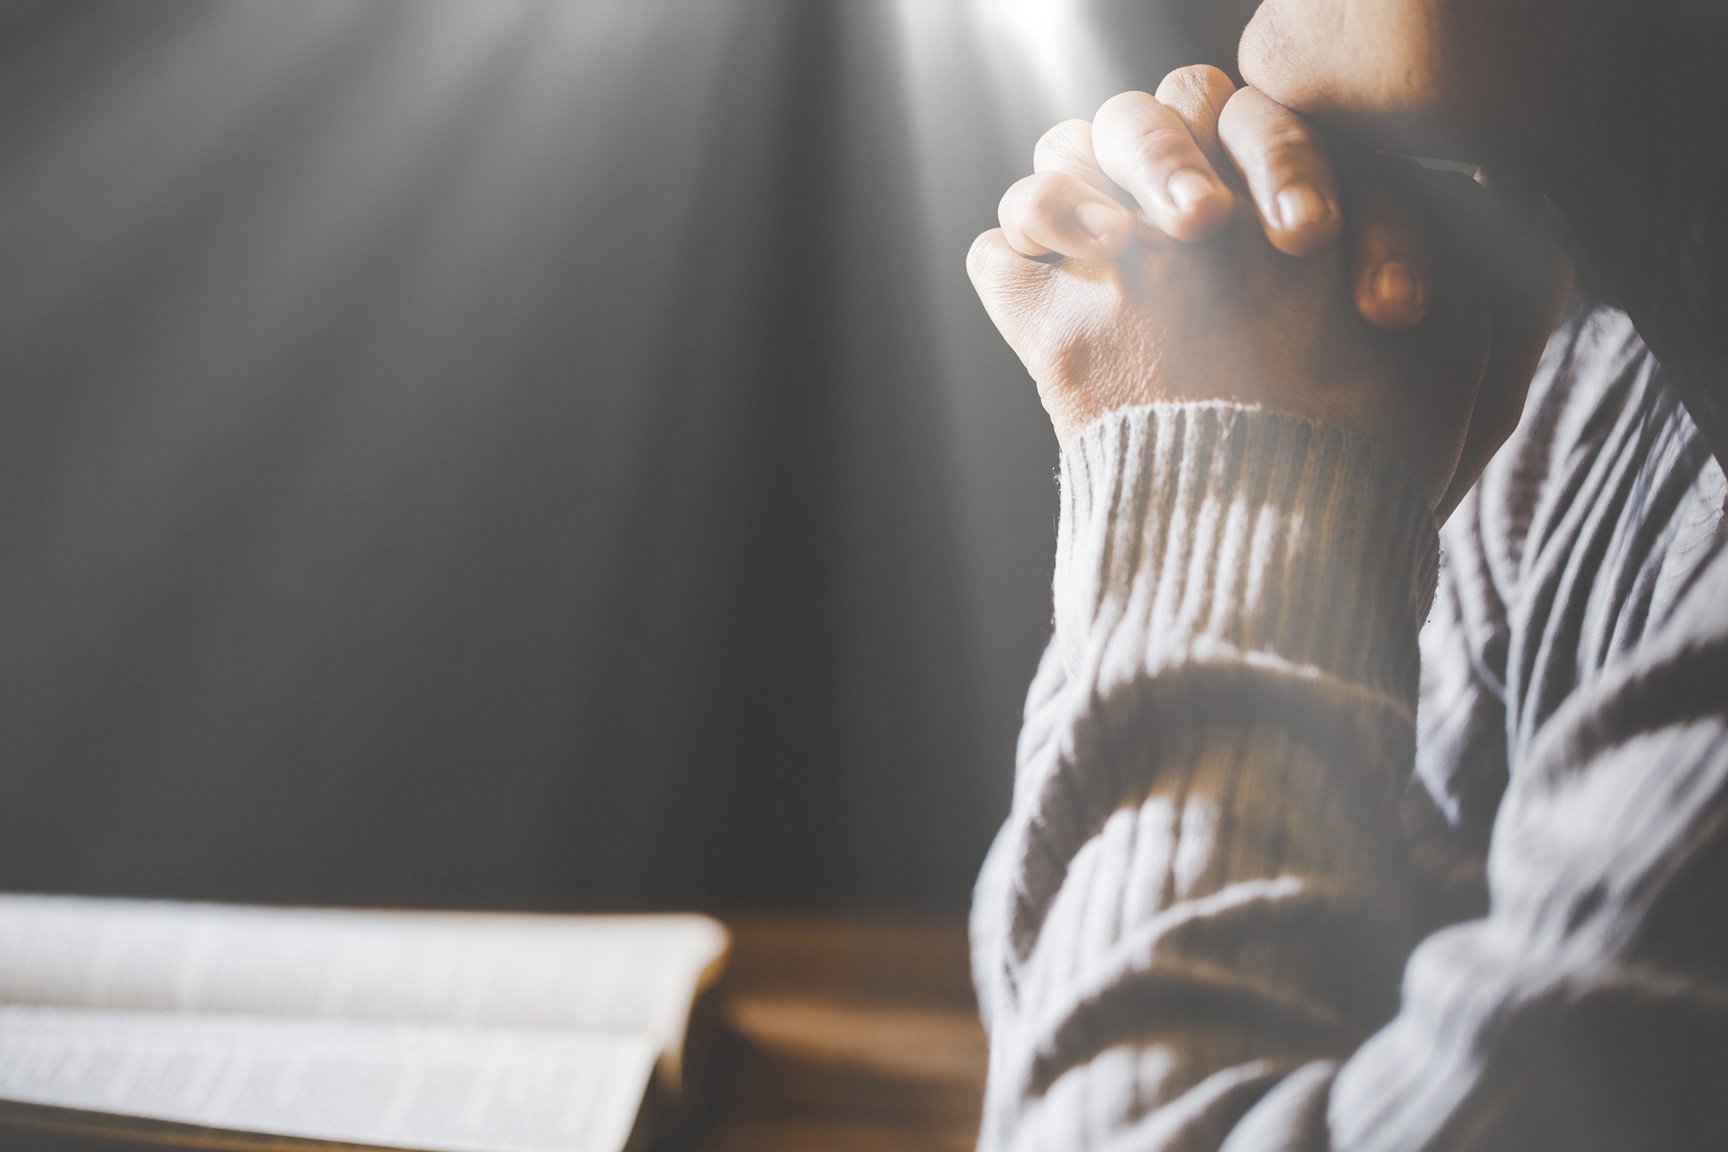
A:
(1198, 531)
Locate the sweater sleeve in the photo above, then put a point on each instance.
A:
(1196, 928)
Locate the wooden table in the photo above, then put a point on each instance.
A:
(849, 1035)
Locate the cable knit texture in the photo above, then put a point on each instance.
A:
(1233, 908)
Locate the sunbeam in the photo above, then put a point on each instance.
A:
(400, 388)
(981, 81)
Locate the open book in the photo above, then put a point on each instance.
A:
(227, 1027)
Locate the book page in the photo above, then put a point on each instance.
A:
(595, 973)
(387, 1085)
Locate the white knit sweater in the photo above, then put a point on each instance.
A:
(1245, 899)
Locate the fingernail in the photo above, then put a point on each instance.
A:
(1396, 283)
(1100, 221)
(1189, 188)
(1301, 205)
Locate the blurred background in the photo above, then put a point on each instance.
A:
(517, 452)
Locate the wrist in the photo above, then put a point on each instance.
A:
(1189, 530)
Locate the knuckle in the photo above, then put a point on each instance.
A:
(1277, 146)
(1202, 77)
(1123, 105)
(1195, 88)
(1071, 139)
(1252, 122)
(981, 255)
(999, 274)
(1278, 155)
(1135, 130)
(1021, 207)
(1163, 145)
(1040, 198)
(1285, 134)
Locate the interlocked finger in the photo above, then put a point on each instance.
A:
(1289, 177)
(1068, 148)
(1057, 214)
(1146, 149)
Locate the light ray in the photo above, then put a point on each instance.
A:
(1050, 47)
(982, 80)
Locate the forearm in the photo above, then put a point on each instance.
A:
(1202, 888)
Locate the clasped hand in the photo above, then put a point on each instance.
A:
(1199, 244)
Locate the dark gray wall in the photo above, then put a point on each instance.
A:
(516, 453)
